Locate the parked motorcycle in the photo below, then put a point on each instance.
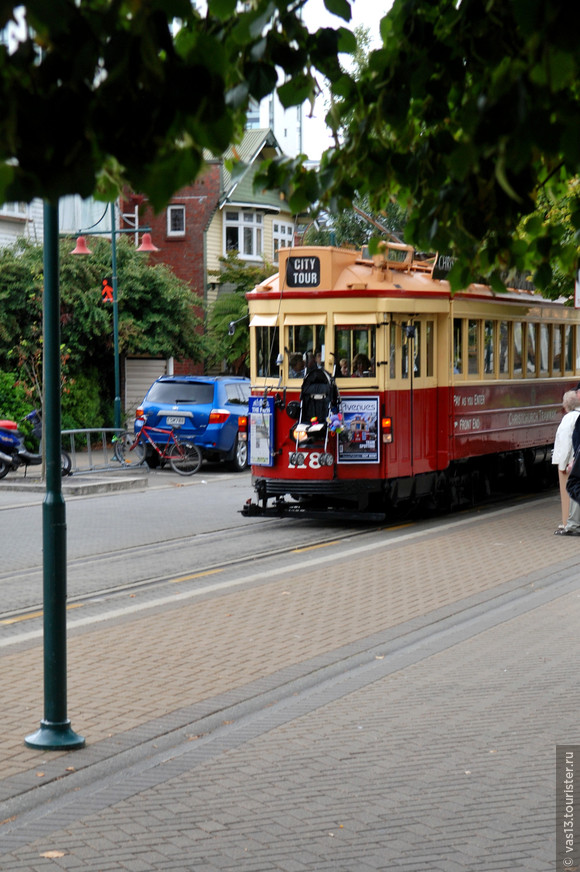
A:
(13, 452)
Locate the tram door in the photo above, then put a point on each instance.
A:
(412, 394)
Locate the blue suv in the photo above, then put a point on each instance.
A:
(211, 411)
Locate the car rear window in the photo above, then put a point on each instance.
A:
(238, 393)
(181, 392)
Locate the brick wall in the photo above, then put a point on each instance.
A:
(185, 254)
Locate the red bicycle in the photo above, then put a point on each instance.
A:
(183, 457)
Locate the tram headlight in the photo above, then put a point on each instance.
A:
(300, 432)
(326, 459)
(300, 459)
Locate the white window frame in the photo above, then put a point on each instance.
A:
(14, 210)
(249, 224)
(175, 209)
(282, 237)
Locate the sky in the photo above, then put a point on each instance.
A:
(364, 12)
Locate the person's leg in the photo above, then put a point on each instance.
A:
(564, 495)
(572, 527)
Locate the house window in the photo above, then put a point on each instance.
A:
(243, 232)
(14, 210)
(283, 235)
(176, 220)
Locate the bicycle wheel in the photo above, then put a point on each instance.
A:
(128, 451)
(184, 458)
(65, 462)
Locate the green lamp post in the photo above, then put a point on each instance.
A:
(55, 732)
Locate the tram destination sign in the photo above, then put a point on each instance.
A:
(303, 272)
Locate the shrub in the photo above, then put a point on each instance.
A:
(14, 402)
(81, 402)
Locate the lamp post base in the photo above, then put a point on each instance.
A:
(55, 737)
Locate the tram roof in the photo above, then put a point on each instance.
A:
(320, 269)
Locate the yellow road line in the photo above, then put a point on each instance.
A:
(196, 575)
(31, 615)
(400, 526)
(314, 547)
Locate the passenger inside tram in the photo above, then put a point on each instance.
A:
(296, 364)
(361, 366)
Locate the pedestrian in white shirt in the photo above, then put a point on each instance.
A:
(563, 451)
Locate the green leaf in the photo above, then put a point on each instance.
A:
(534, 225)
(346, 41)
(500, 174)
(296, 91)
(340, 8)
(222, 9)
(543, 275)
(298, 201)
(459, 276)
(262, 79)
(497, 284)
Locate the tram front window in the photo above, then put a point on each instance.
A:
(267, 348)
(355, 350)
(308, 342)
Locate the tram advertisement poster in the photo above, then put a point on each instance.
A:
(261, 415)
(359, 441)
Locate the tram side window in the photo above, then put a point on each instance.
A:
(504, 361)
(416, 339)
(457, 345)
(473, 347)
(392, 350)
(429, 348)
(544, 349)
(412, 348)
(355, 350)
(569, 345)
(489, 341)
(308, 341)
(267, 347)
(557, 350)
(531, 351)
(518, 350)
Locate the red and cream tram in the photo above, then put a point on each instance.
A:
(372, 384)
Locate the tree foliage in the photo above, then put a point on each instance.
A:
(158, 315)
(468, 114)
(231, 308)
(356, 226)
(156, 83)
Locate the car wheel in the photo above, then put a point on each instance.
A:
(239, 462)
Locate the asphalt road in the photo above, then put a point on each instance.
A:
(172, 527)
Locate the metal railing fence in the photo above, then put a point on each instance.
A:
(92, 450)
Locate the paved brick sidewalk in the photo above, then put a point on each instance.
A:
(380, 769)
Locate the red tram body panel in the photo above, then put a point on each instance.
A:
(373, 384)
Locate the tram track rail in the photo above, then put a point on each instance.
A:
(35, 609)
(197, 577)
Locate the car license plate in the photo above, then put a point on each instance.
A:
(174, 421)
